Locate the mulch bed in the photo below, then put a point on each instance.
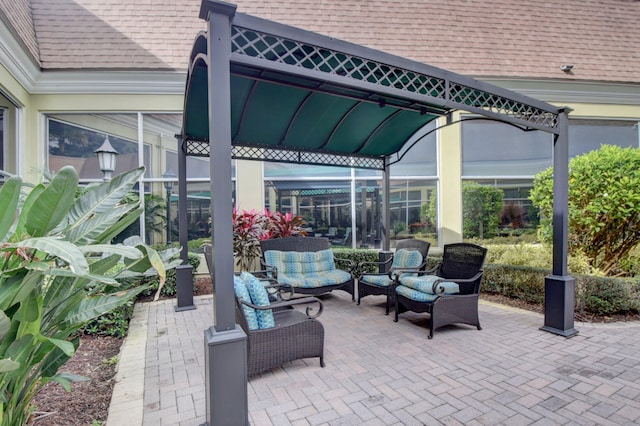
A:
(88, 402)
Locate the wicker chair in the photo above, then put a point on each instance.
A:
(305, 244)
(296, 334)
(449, 292)
(380, 283)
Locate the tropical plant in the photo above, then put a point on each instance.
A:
(284, 225)
(57, 272)
(155, 217)
(604, 205)
(250, 227)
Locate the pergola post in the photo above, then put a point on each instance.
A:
(386, 210)
(559, 287)
(225, 342)
(184, 272)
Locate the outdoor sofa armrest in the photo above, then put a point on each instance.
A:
(378, 263)
(292, 302)
(349, 262)
(394, 274)
(268, 269)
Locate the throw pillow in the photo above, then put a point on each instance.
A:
(240, 288)
(259, 297)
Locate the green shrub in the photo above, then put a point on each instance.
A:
(356, 256)
(169, 289)
(536, 256)
(517, 282)
(604, 205)
(605, 296)
(630, 264)
(114, 323)
(595, 295)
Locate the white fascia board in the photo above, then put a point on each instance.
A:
(572, 91)
(111, 82)
(14, 58)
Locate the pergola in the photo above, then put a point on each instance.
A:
(260, 90)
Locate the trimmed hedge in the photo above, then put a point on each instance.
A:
(595, 295)
(356, 256)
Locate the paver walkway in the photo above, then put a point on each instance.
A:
(383, 373)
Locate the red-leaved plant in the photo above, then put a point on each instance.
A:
(249, 227)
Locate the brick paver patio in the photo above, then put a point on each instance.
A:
(384, 373)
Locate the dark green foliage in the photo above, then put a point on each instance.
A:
(604, 205)
(169, 288)
(599, 296)
(604, 296)
(517, 282)
(115, 323)
(354, 258)
(481, 206)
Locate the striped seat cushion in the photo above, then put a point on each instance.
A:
(306, 269)
(402, 258)
(425, 284)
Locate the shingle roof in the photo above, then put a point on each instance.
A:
(482, 38)
(17, 13)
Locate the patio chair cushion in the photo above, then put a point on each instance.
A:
(425, 284)
(259, 297)
(416, 295)
(381, 280)
(404, 258)
(241, 291)
(309, 269)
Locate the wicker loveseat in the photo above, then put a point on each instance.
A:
(305, 263)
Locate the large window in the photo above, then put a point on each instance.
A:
(323, 204)
(73, 139)
(505, 157)
(147, 139)
(588, 135)
(8, 137)
(492, 149)
(419, 156)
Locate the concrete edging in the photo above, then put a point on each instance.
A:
(127, 399)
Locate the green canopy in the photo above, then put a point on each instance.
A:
(317, 100)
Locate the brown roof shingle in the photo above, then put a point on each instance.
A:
(17, 14)
(483, 38)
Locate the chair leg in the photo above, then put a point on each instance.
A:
(322, 362)
(395, 303)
